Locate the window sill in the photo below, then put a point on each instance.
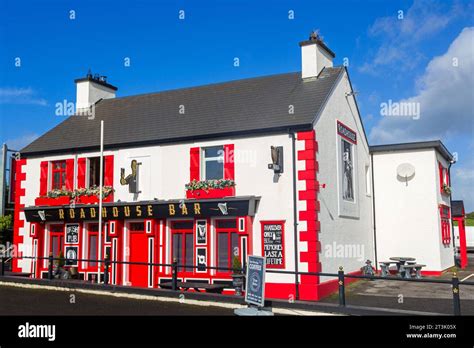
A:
(211, 193)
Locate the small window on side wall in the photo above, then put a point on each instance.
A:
(212, 166)
(367, 180)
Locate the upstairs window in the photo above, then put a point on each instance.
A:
(212, 166)
(443, 178)
(58, 175)
(94, 171)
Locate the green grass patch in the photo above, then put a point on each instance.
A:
(469, 222)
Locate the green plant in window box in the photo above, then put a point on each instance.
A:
(207, 185)
(237, 275)
(447, 189)
(91, 191)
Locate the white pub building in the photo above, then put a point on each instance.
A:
(277, 166)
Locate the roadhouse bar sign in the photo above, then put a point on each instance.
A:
(143, 210)
(346, 132)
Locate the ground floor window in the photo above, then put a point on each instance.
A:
(56, 241)
(183, 244)
(228, 245)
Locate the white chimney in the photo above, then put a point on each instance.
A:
(315, 56)
(91, 89)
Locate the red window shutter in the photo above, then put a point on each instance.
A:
(229, 169)
(81, 172)
(70, 174)
(194, 164)
(109, 170)
(44, 178)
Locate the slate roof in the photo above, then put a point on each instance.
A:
(223, 109)
(436, 144)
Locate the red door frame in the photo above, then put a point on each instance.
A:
(56, 234)
(145, 236)
(462, 240)
(229, 230)
(184, 231)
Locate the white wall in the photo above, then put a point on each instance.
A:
(407, 215)
(353, 234)
(469, 236)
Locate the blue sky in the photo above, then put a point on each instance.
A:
(391, 55)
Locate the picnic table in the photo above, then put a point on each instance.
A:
(400, 261)
(215, 288)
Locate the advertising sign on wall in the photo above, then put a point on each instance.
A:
(273, 243)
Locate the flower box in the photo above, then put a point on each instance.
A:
(53, 201)
(92, 199)
(211, 193)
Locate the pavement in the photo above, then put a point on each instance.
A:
(34, 301)
(402, 295)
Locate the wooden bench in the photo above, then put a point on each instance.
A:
(214, 288)
(408, 270)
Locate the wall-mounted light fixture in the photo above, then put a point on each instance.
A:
(277, 159)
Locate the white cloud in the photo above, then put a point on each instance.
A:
(400, 37)
(20, 142)
(20, 96)
(445, 93)
(463, 184)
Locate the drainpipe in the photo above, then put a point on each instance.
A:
(373, 210)
(295, 213)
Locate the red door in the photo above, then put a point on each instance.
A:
(138, 274)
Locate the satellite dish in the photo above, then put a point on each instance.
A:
(406, 171)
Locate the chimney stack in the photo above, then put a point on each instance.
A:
(91, 89)
(315, 56)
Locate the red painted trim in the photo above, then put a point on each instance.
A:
(211, 193)
(462, 241)
(275, 222)
(43, 178)
(81, 172)
(229, 165)
(70, 174)
(194, 168)
(18, 223)
(280, 290)
(109, 170)
(308, 287)
(308, 135)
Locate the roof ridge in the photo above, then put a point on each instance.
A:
(201, 86)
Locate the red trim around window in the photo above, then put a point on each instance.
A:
(229, 165)
(44, 178)
(194, 168)
(445, 215)
(81, 172)
(70, 174)
(109, 170)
